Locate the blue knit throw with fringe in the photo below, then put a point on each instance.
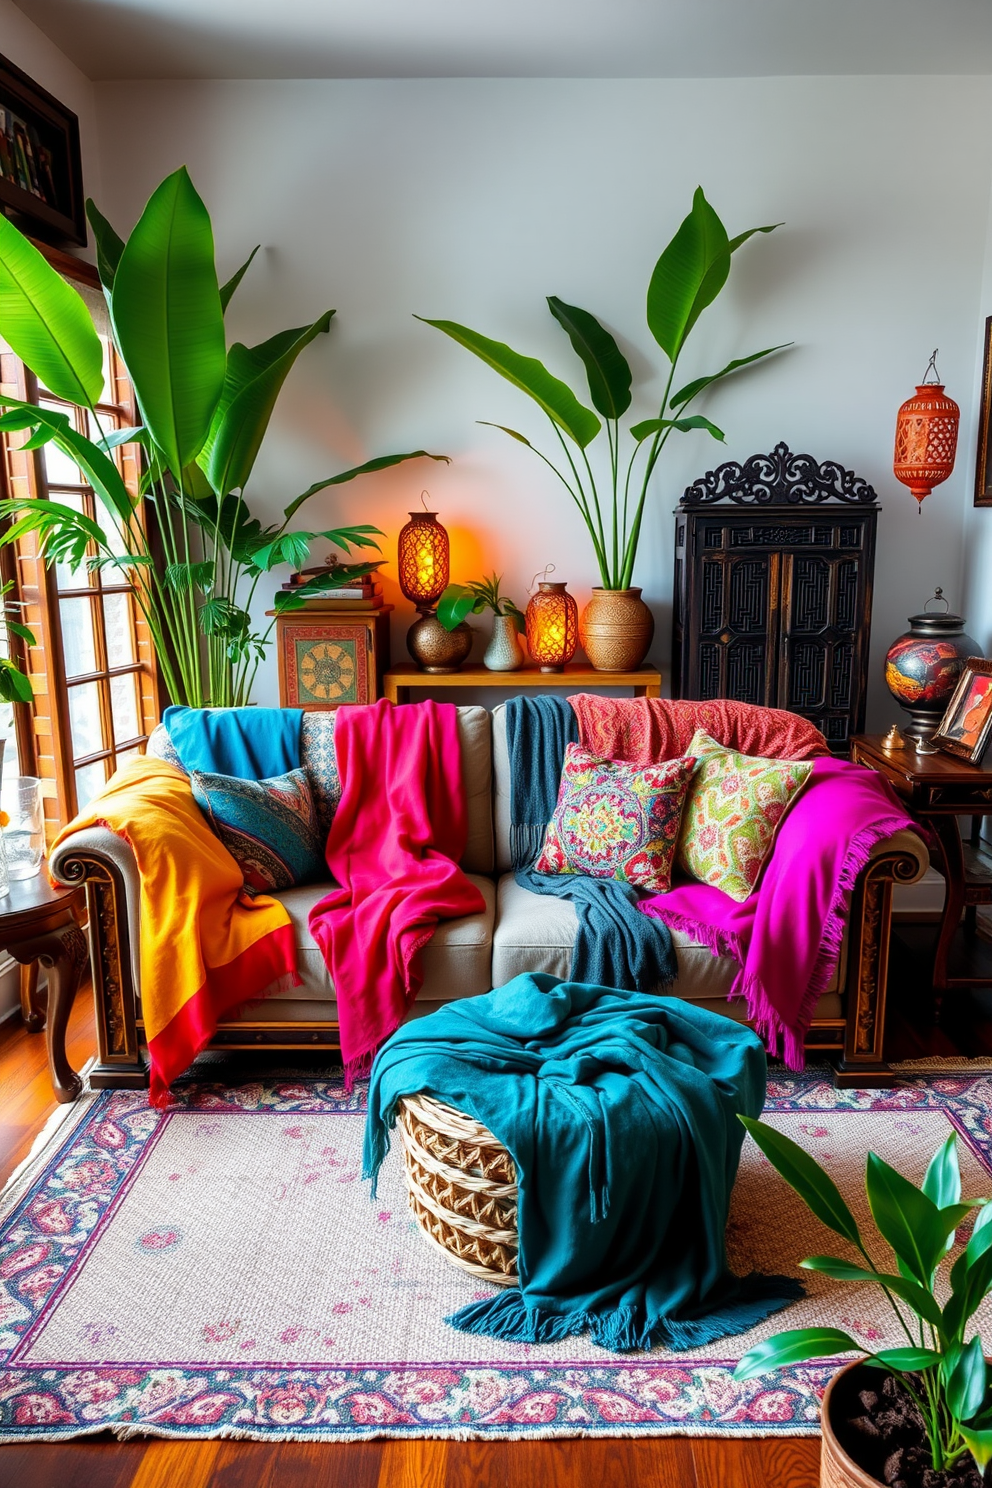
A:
(615, 944)
(619, 1110)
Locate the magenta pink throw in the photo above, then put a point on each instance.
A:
(393, 848)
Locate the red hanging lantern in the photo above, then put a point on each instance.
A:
(926, 436)
(552, 620)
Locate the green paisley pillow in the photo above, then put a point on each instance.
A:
(616, 820)
(735, 805)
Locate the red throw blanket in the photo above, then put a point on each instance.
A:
(786, 937)
(645, 730)
(393, 847)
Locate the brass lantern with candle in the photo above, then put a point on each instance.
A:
(424, 570)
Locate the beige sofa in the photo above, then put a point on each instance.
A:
(517, 931)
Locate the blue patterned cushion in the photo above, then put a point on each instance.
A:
(269, 827)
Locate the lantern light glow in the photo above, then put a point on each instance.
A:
(552, 626)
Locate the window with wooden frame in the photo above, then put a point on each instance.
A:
(92, 667)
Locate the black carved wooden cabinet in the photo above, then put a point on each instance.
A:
(774, 562)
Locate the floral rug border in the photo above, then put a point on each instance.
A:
(55, 1214)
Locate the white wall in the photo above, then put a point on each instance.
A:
(473, 199)
(31, 50)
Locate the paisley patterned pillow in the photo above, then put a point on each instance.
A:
(616, 820)
(735, 805)
(269, 827)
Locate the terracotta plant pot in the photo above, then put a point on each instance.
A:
(616, 628)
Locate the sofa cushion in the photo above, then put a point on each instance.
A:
(268, 826)
(736, 803)
(536, 932)
(616, 820)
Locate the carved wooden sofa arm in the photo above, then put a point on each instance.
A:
(105, 864)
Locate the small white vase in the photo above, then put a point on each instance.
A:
(504, 652)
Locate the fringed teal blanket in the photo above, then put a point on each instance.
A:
(620, 1112)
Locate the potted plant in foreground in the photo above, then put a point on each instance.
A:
(919, 1414)
(504, 652)
(616, 627)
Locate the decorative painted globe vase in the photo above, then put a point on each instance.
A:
(922, 667)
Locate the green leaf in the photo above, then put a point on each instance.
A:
(168, 320)
(742, 238)
(16, 628)
(694, 388)
(520, 438)
(795, 1347)
(221, 616)
(920, 1300)
(912, 1224)
(979, 1444)
(109, 245)
(14, 686)
(906, 1360)
(117, 437)
(45, 322)
(296, 598)
(965, 1381)
(971, 1278)
(181, 577)
(227, 290)
(456, 603)
(531, 377)
(803, 1173)
(252, 383)
(606, 366)
(942, 1180)
(642, 431)
(688, 276)
(294, 547)
(381, 462)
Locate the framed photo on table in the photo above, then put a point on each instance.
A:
(41, 173)
(966, 727)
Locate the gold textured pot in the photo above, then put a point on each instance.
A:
(616, 628)
(435, 649)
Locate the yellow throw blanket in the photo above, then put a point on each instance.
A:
(205, 946)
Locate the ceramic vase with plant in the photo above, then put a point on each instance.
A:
(504, 652)
(936, 1380)
(205, 407)
(687, 278)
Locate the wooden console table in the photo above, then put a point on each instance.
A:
(400, 680)
(938, 789)
(39, 922)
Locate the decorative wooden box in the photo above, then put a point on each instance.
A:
(327, 658)
(774, 561)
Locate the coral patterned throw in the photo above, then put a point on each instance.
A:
(615, 820)
(735, 805)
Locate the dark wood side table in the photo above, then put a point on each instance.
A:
(41, 923)
(937, 790)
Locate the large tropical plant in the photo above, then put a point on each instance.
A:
(204, 408)
(942, 1369)
(687, 278)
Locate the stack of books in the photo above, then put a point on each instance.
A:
(353, 597)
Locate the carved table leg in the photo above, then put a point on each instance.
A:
(63, 951)
(949, 837)
(34, 1018)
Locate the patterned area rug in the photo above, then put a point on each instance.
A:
(221, 1271)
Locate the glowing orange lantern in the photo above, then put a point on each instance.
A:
(423, 560)
(926, 437)
(552, 626)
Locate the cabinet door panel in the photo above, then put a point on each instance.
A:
(822, 646)
(733, 627)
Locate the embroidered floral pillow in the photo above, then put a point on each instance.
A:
(735, 805)
(616, 820)
(269, 827)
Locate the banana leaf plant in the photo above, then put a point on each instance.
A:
(461, 600)
(687, 278)
(14, 686)
(940, 1366)
(204, 410)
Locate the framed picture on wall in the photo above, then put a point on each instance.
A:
(966, 726)
(983, 465)
(41, 174)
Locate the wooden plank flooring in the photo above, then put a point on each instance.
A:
(661, 1462)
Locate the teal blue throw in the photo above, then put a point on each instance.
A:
(619, 1110)
(615, 945)
(250, 743)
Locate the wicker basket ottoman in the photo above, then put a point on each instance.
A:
(462, 1186)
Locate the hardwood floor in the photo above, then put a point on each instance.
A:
(663, 1462)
